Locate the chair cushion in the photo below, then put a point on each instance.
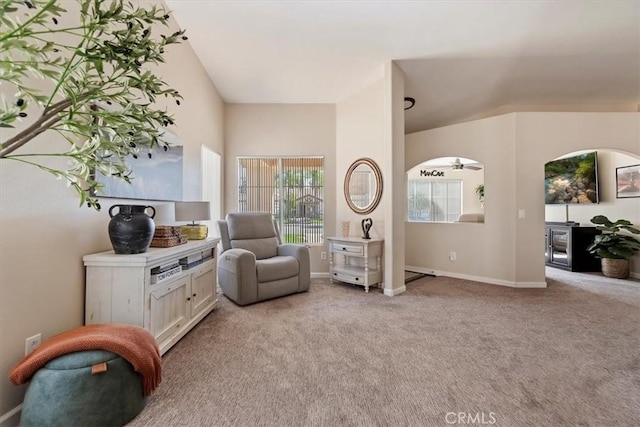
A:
(471, 217)
(250, 225)
(253, 231)
(276, 268)
(262, 248)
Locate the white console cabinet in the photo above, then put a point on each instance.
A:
(128, 288)
(360, 263)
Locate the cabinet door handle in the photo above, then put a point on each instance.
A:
(188, 299)
(194, 295)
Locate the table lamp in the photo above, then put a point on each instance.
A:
(193, 211)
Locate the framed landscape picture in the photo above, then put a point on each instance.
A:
(628, 181)
(158, 177)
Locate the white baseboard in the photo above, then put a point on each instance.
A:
(489, 280)
(320, 275)
(531, 284)
(493, 281)
(635, 276)
(395, 291)
(11, 418)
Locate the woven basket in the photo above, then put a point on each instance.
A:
(616, 268)
(167, 231)
(168, 242)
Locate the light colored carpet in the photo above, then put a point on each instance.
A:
(334, 356)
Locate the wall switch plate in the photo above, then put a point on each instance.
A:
(323, 255)
(452, 256)
(32, 343)
(522, 214)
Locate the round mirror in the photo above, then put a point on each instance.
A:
(363, 186)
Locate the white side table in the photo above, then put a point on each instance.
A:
(352, 248)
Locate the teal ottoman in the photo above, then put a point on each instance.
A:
(66, 393)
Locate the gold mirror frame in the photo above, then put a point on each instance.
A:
(378, 194)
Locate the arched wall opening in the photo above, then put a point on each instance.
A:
(508, 249)
(446, 190)
(566, 204)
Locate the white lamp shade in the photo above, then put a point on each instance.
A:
(192, 211)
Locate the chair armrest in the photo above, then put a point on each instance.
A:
(301, 253)
(296, 251)
(237, 275)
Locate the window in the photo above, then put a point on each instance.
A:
(211, 186)
(434, 200)
(291, 188)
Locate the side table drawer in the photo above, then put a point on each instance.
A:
(348, 249)
(348, 278)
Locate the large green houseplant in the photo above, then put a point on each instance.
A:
(99, 62)
(613, 247)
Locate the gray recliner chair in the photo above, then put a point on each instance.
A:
(254, 265)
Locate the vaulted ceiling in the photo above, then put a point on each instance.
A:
(460, 58)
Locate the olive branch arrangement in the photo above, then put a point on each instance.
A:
(102, 91)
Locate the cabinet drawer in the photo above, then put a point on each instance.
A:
(348, 249)
(349, 278)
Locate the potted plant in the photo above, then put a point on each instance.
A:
(101, 66)
(480, 193)
(613, 247)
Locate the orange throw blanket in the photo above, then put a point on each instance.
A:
(133, 343)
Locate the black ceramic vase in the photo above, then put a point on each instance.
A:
(131, 229)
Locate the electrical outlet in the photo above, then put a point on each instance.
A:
(323, 255)
(452, 256)
(32, 343)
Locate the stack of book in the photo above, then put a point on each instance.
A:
(196, 258)
(191, 260)
(167, 236)
(163, 272)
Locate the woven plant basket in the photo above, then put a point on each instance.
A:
(616, 268)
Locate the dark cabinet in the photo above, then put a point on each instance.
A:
(566, 246)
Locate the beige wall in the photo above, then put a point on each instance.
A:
(545, 136)
(370, 123)
(44, 233)
(483, 250)
(514, 147)
(283, 130)
(394, 177)
(359, 133)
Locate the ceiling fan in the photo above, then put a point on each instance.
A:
(457, 165)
